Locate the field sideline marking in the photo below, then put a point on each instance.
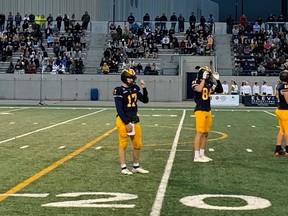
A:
(51, 126)
(164, 182)
(269, 113)
(53, 166)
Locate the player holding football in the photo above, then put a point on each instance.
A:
(127, 120)
(207, 82)
(282, 113)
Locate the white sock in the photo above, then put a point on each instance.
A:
(202, 152)
(196, 154)
(136, 164)
(123, 166)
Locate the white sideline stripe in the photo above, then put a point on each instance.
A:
(180, 150)
(23, 147)
(164, 181)
(269, 113)
(13, 110)
(51, 126)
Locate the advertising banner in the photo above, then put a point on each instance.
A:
(263, 101)
(224, 100)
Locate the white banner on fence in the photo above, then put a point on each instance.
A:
(224, 100)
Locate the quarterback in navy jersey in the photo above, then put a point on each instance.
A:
(205, 84)
(126, 97)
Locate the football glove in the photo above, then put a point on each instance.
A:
(205, 75)
(216, 75)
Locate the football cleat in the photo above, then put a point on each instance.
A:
(126, 171)
(139, 170)
(207, 158)
(201, 160)
(280, 152)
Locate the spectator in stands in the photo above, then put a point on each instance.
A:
(243, 20)
(229, 23)
(155, 51)
(281, 21)
(10, 20)
(59, 22)
(18, 19)
(11, 68)
(210, 22)
(182, 47)
(19, 67)
(85, 20)
(256, 28)
(163, 20)
(139, 68)
(270, 21)
(202, 21)
(173, 20)
(147, 69)
(131, 20)
(105, 68)
(49, 20)
(192, 20)
(50, 41)
(157, 22)
(2, 22)
(256, 89)
(225, 87)
(66, 21)
(146, 21)
(165, 42)
(181, 22)
(154, 69)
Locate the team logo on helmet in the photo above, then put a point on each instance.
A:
(128, 73)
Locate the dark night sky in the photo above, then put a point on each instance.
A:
(252, 8)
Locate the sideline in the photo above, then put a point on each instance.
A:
(53, 166)
(156, 209)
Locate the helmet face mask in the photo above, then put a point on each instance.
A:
(128, 73)
(283, 76)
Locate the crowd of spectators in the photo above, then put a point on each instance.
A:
(138, 41)
(33, 36)
(260, 49)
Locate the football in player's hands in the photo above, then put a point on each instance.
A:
(205, 75)
(216, 75)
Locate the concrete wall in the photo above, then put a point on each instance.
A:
(78, 87)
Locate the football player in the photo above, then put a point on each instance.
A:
(127, 120)
(282, 113)
(207, 82)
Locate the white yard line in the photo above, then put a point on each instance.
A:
(269, 113)
(156, 209)
(51, 126)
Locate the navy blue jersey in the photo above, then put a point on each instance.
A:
(282, 104)
(126, 102)
(202, 99)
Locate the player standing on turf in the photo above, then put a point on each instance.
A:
(127, 121)
(282, 113)
(205, 84)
